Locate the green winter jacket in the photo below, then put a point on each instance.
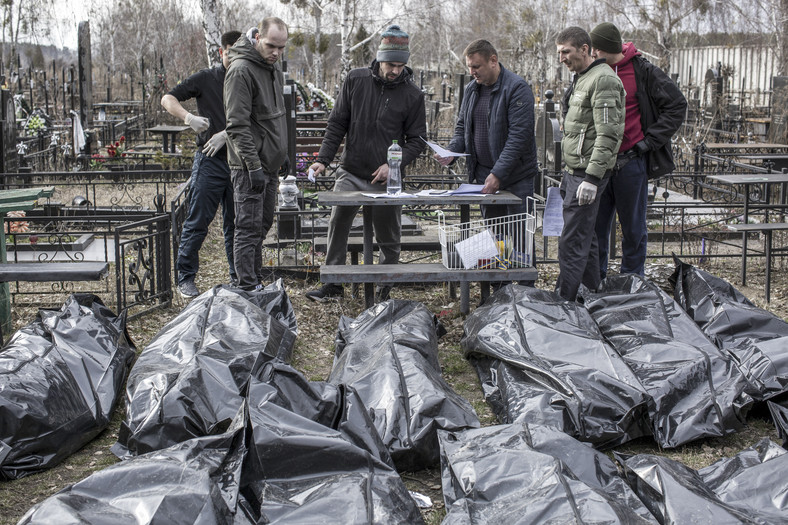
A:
(255, 110)
(594, 123)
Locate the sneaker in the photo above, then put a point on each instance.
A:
(326, 293)
(382, 294)
(187, 288)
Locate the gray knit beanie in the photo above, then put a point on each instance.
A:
(394, 46)
(606, 37)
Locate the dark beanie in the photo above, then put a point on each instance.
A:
(606, 37)
(394, 46)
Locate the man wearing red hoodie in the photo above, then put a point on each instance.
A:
(655, 109)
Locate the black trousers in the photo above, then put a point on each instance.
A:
(578, 248)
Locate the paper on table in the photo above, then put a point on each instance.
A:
(400, 195)
(468, 189)
(553, 218)
(432, 193)
(443, 152)
(479, 246)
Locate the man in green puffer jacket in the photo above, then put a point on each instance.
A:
(593, 129)
(257, 140)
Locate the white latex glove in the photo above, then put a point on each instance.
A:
(198, 124)
(586, 193)
(215, 143)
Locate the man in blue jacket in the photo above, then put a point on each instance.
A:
(495, 127)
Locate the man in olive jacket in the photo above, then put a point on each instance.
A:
(593, 129)
(257, 140)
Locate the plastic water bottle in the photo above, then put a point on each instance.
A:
(394, 184)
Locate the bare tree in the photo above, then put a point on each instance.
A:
(155, 34)
(662, 18)
(317, 42)
(768, 17)
(211, 27)
(21, 18)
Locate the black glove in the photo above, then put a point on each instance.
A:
(642, 147)
(284, 168)
(257, 177)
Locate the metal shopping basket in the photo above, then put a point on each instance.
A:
(497, 243)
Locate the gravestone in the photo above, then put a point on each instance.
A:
(778, 131)
(85, 76)
(9, 158)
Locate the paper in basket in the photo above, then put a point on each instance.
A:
(479, 246)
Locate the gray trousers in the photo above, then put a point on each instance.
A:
(386, 221)
(578, 248)
(254, 216)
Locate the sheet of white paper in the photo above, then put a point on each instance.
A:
(553, 218)
(432, 193)
(443, 152)
(479, 246)
(400, 195)
(311, 175)
(468, 189)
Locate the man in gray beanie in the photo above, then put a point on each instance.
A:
(383, 104)
(394, 46)
(655, 109)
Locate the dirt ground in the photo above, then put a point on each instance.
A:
(314, 353)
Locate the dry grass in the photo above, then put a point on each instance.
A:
(313, 355)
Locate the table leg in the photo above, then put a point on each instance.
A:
(165, 142)
(369, 288)
(768, 234)
(465, 286)
(744, 235)
(465, 298)
(354, 286)
(5, 292)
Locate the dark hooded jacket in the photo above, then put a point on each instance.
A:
(255, 110)
(511, 124)
(662, 111)
(370, 113)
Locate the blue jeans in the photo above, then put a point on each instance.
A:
(210, 187)
(626, 194)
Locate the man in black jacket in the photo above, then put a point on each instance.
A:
(655, 109)
(376, 105)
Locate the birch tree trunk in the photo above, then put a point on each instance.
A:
(212, 31)
(317, 56)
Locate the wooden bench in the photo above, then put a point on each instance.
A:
(408, 243)
(766, 229)
(387, 274)
(53, 271)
